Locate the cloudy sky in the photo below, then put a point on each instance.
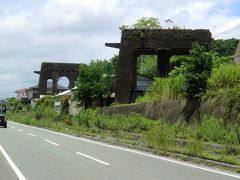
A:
(32, 31)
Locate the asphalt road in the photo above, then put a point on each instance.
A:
(37, 154)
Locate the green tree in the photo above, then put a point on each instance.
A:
(147, 23)
(224, 47)
(198, 69)
(221, 60)
(143, 23)
(95, 82)
(147, 66)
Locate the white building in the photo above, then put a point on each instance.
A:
(21, 94)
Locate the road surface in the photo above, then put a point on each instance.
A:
(37, 154)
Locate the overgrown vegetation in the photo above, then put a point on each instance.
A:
(143, 23)
(188, 79)
(197, 70)
(95, 83)
(224, 47)
(165, 88)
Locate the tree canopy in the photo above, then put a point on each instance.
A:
(95, 82)
(225, 47)
(197, 70)
(143, 23)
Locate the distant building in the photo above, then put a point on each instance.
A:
(32, 92)
(21, 94)
(237, 54)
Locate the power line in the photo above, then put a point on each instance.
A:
(233, 29)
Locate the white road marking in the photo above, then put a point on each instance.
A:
(89, 157)
(11, 163)
(13, 127)
(51, 142)
(139, 152)
(20, 130)
(32, 134)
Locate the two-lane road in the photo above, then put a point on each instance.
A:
(40, 154)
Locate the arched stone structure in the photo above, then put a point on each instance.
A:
(162, 42)
(54, 71)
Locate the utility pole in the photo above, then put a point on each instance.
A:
(1, 105)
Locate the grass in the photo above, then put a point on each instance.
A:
(164, 88)
(224, 77)
(224, 80)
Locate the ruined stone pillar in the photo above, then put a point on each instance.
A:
(124, 76)
(55, 85)
(134, 70)
(42, 86)
(163, 62)
(71, 83)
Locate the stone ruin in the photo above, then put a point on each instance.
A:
(161, 42)
(54, 71)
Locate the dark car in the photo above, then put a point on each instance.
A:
(3, 121)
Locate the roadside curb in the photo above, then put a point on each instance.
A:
(210, 163)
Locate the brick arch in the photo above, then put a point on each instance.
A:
(61, 80)
(54, 71)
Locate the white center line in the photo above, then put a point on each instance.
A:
(20, 130)
(13, 127)
(32, 134)
(51, 142)
(93, 158)
(11, 163)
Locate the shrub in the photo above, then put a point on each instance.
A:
(68, 120)
(87, 118)
(224, 77)
(232, 142)
(182, 130)
(198, 69)
(65, 104)
(165, 88)
(212, 129)
(44, 112)
(195, 147)
(135, 123)
(218, 61)
(38, 115)
(160, 137)
(46, 101)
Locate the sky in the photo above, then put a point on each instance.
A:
(75, 31)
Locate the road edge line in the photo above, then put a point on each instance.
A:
(11, 163)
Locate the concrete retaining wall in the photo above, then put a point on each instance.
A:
(178, 110)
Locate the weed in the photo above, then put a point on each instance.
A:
(195, 147)
(212, 129)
